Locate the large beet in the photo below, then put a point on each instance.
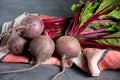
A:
(67, 47)
(42, 48)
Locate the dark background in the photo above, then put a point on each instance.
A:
(10, 9)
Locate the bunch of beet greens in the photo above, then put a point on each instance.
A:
(96, 23)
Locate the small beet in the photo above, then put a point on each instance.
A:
(18, 45)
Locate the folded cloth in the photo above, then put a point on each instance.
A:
(6, 56)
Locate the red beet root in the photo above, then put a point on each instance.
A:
(33, 26)
(68, 47)
(18, 45)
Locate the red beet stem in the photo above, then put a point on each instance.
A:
(98, 45)
(92, 31)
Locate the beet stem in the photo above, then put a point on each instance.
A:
(14, 28)
(4, 47)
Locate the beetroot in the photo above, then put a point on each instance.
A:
(41, 48)
(68, 47)
(33, 26)
(18, 45)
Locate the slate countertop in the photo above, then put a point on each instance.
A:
(10, 9)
